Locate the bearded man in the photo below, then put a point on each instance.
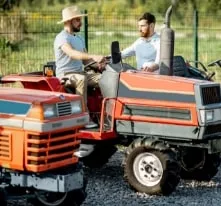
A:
(71, 55)
(147, 47)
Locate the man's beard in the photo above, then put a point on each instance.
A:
(74, 29)
(145, 34)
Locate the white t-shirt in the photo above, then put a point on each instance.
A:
(147, 51)
(64, 63)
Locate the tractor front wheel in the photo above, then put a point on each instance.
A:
(73, 198)
(150, 167)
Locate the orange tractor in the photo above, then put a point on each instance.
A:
(38, 142)
(171, 125)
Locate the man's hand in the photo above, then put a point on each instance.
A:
(148, 69)
(98, 58)
(101, 66)
(101, 62)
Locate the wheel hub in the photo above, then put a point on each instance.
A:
(148, 169)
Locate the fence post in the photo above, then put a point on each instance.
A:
(86, 30)
(195, 29)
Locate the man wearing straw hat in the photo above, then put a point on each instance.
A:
(71, 55)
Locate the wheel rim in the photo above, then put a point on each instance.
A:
(148, 169)
(51, 198)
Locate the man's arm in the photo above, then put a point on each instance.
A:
(128, 52)
(153, 66)
(74, 54)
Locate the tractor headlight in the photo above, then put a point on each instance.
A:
(76, 107)
(50, 110)
(206, 115)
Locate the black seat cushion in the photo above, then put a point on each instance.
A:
(180, 67)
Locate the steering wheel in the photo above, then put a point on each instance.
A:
(214, 63)
(210, 76)
(201, 64)
(87, 66)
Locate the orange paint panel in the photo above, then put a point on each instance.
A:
(67, 145)
(157, 83)
(42, 168)
(65, 137)
(36, 112)
(49, 157)
(55, 146)
(12, 144)
(86, 134)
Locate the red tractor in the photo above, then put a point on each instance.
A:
(38, 146)
(171, 125)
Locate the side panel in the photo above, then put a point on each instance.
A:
(164, 130)
(11, 148)
(161, 112)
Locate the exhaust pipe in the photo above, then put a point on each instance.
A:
(167, 46)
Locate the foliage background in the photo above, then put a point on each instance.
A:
(28, 28)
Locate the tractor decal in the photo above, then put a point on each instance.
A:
(18, 108)
(124, 91)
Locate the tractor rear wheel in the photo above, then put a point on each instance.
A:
(197, 164)
(150, 167)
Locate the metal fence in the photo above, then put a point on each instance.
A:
(26, 38)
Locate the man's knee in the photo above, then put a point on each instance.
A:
(94, 79)
(77, 80)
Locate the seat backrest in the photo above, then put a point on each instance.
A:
(50, 66)
(180, 67)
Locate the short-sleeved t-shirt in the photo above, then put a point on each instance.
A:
(64, 63)
(147, 51)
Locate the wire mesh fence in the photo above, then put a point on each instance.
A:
(26, 38)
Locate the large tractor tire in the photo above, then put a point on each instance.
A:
(150, 167)
(197, 164)
(100, 156)
(73, 198)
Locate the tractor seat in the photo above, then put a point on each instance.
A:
(49, 69)
(180, 67)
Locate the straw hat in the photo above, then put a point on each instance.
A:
(70, 13)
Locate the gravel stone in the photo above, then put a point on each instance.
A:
(106, 187)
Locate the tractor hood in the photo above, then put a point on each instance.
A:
(143, 81)
(29, 95)
(144, 85)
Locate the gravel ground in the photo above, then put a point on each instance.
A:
(106, 187)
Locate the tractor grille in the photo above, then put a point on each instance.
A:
(50, 149)
(211, 95)
(5, 146)
(64, 108)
